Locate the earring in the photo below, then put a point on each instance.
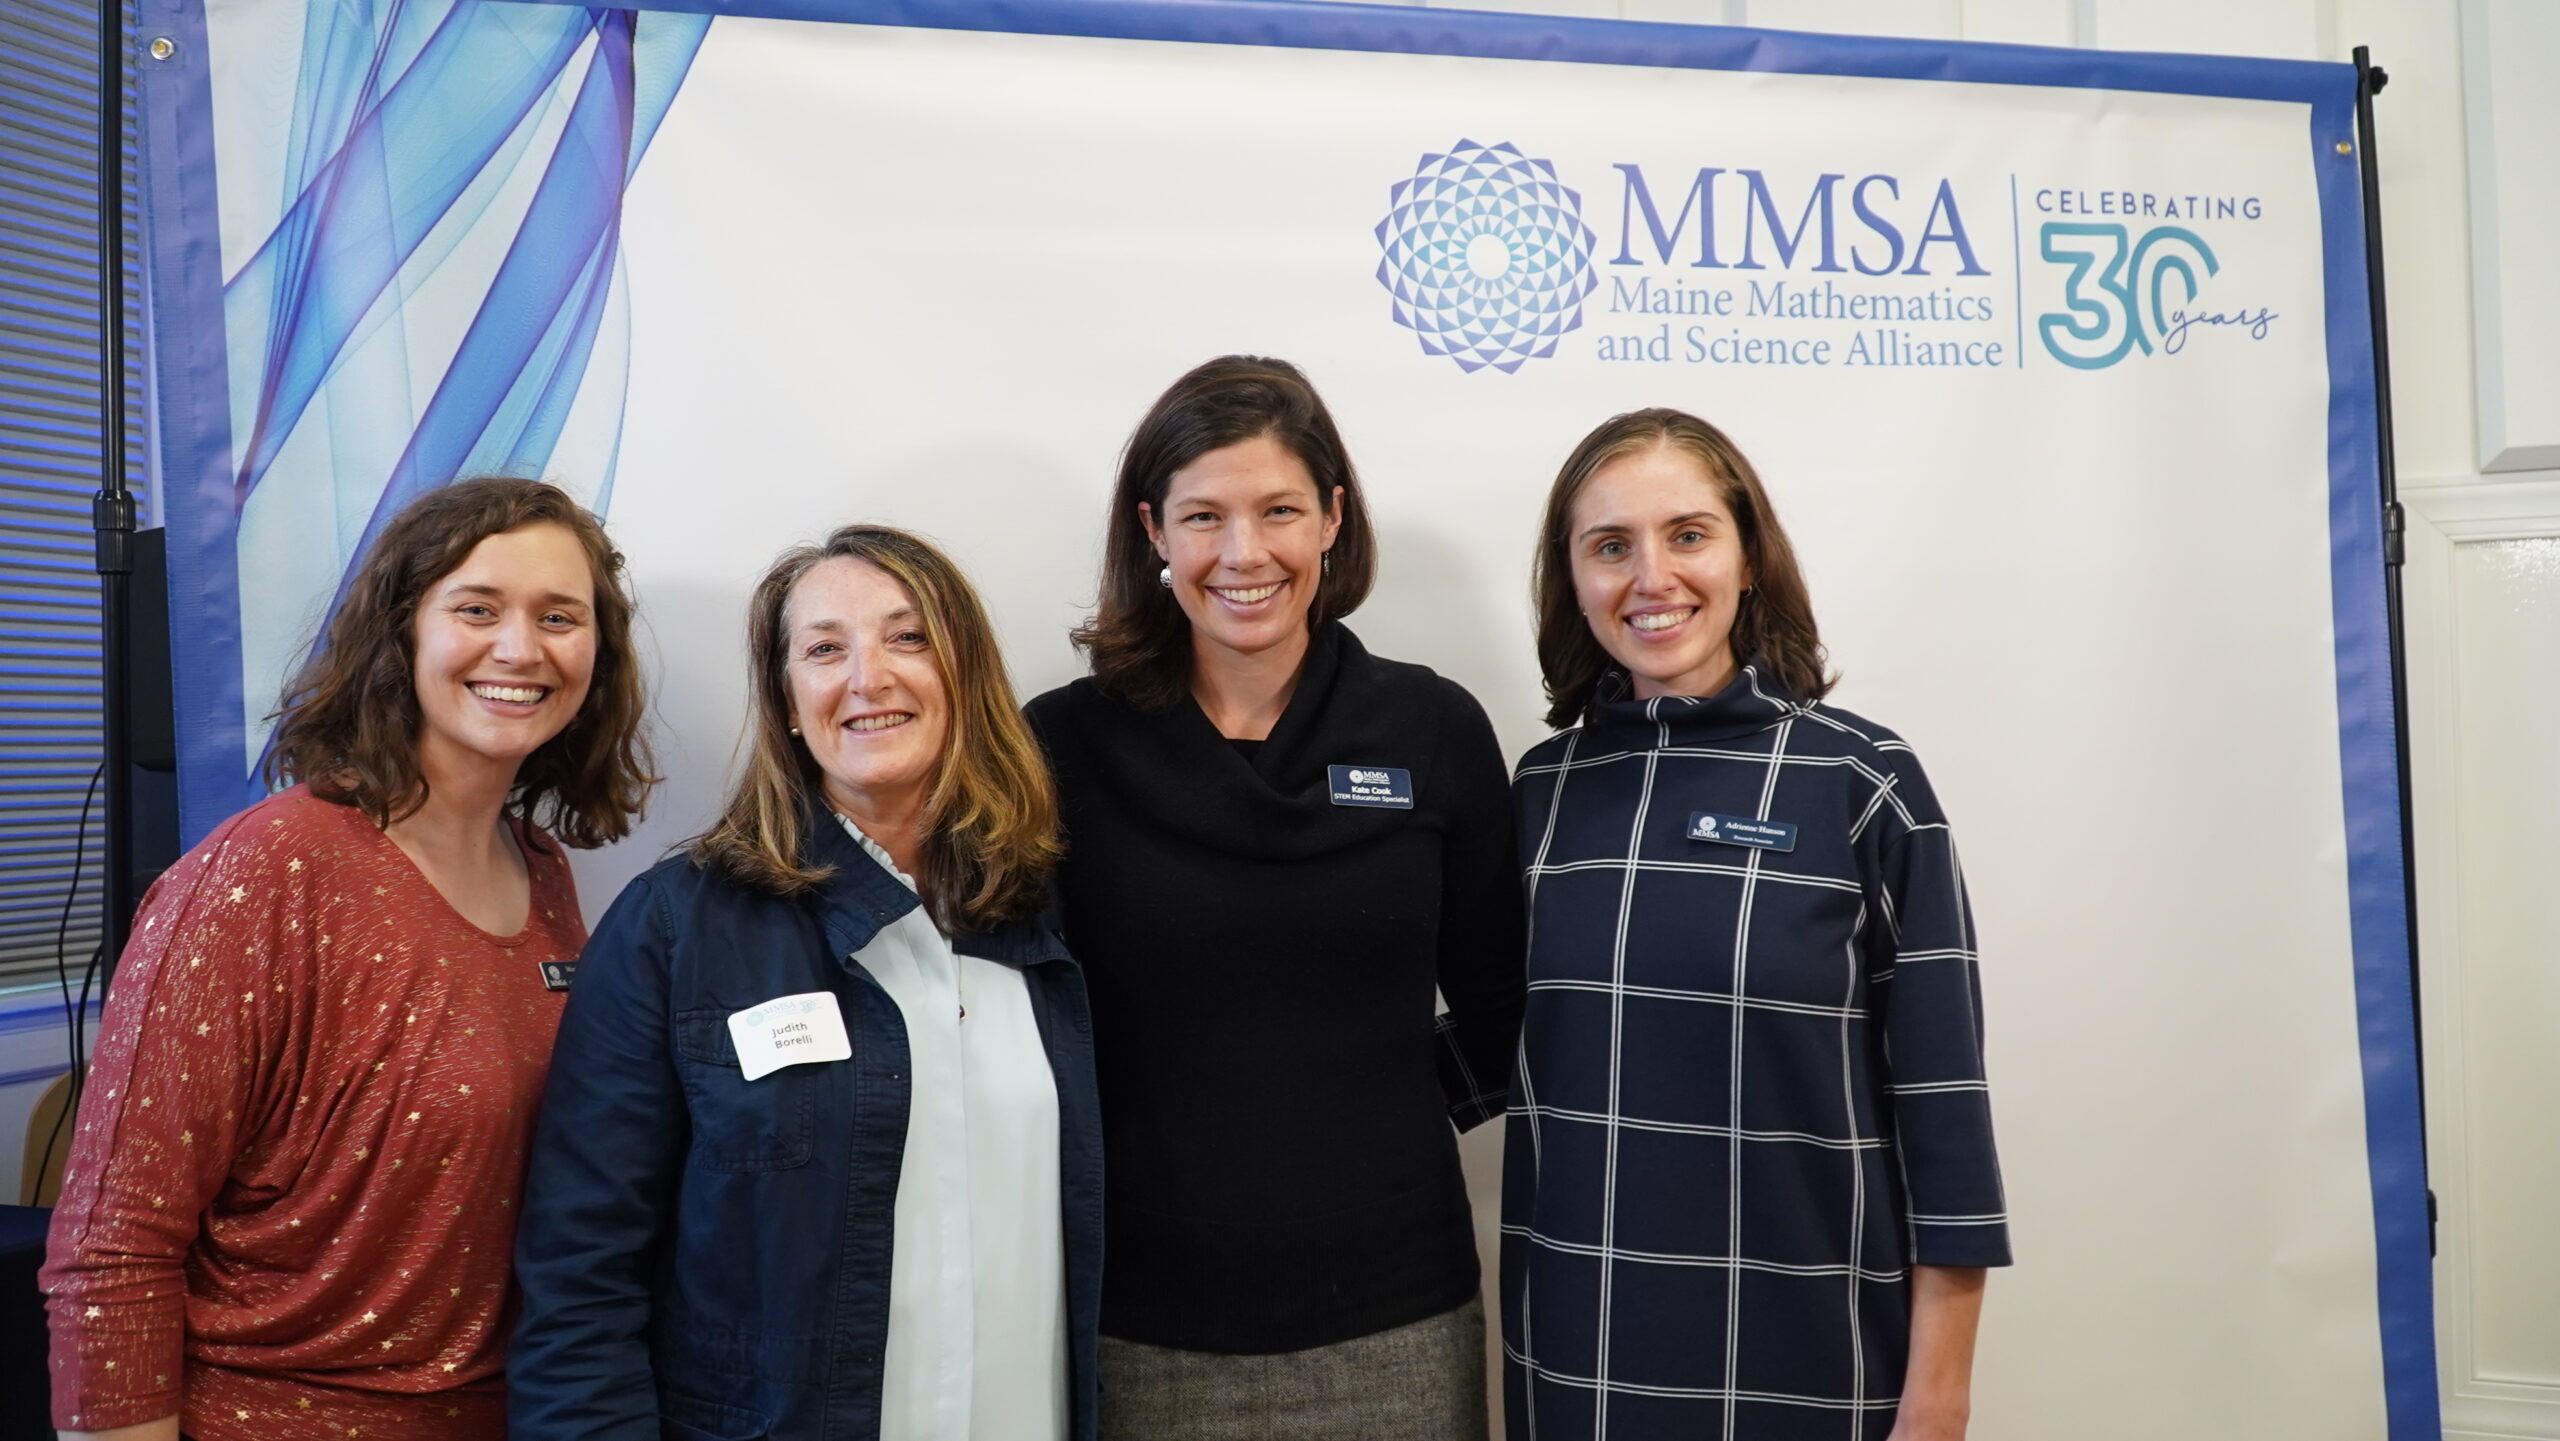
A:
(795, 730)
(1164, 577)
(1324, 562)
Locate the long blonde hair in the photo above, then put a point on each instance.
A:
(991, 811)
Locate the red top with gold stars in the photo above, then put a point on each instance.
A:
(290, 1204)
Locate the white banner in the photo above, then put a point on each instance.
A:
(2054, 363)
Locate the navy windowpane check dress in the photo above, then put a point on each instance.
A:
(1750, 1093)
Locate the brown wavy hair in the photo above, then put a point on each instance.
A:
(1773, 623)
(1138, 639)
(348, 724)
(991, 813)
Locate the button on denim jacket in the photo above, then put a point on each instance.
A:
(704, 1256)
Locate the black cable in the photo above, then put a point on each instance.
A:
(79, 1070)
(80, 1036)
(77, 1014)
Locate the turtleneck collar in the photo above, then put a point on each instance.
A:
(1349, 708)
(1753, 701)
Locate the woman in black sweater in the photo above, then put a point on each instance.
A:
(1278, 846)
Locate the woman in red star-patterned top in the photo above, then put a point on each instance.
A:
(291, 1199)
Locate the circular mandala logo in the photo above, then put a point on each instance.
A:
(1486, 256)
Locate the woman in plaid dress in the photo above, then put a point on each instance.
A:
(1750, 1189)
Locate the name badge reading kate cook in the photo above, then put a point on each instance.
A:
(788, 1030)
(1739, 831)
(1384, 786)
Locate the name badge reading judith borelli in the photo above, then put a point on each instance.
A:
(1385, 787)
(1742, 831)
(788, 1030)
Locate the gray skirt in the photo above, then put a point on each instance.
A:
(1423, 1382)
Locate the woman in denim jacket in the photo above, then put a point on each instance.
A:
(820, 1153)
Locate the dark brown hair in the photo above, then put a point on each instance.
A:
(991, 813)
(1138, 638)
(1774, 622)
(348, 724)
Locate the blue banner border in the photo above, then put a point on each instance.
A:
(190, 368)
(183, 251)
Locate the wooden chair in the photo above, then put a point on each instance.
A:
(35, 1189)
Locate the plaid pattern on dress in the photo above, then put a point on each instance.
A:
(1750, 1091)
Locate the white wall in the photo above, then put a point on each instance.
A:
(2483, 587)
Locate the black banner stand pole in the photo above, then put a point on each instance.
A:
(113, 508)
(2370, 78)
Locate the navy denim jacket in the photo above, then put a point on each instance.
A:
(707, 1257)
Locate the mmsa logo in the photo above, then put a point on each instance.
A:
(1486, 256)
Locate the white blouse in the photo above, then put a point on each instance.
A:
(977, 1269)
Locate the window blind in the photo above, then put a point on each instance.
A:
(49, 459)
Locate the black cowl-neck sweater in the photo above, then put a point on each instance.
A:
(1277, 1093)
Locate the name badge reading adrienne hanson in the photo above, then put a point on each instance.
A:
(788, 1030)
(1384, 786)
(1741, 831)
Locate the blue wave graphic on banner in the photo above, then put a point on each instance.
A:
(444, 281)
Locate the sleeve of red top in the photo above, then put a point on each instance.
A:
(176, 1083)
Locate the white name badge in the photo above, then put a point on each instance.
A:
(788, 1030)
